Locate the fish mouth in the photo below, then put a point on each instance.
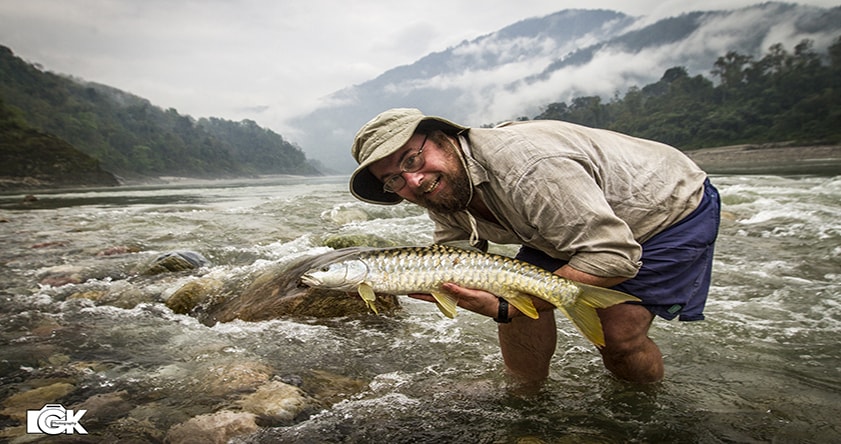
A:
(308, 281)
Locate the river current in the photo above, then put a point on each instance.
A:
(765, 366)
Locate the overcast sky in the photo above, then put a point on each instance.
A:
(266, 60)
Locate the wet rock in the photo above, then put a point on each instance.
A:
(18, 432)
(219, 427)
(45, 328)
(57, 360)
(118, 250)
(119, 294)
(15, 406)
(104, 408)
(91, 295)
(337, 242)
(61, 275)
(345, 214)
(175, 261)
(156, 417)
(125, 295)
(231, 378)
(87, 368)
(278, 293)
(728, 216)
(276, 403)
(49, 244)
(329, 388)
(193, 293)
(133, 430)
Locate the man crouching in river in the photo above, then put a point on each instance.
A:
(593, 206)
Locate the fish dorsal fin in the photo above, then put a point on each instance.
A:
(446, 302)
(367, 295)
(461, 245)
(520, 300)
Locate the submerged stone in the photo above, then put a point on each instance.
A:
(193, 293)
(219, 427)
(277, 402)
(175, 261)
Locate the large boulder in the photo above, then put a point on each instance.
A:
(277, 403)
(278, 292)
(219, 427)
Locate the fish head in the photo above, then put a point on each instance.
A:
(343, 275)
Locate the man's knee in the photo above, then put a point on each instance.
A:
(625, 325)
(628, 352)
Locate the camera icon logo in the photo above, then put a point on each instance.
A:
(54, 419)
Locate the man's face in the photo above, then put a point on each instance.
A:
(440, 185)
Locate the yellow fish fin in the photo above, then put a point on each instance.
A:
(520, 300)
(446, 303)
(583, 313)
(367, 295)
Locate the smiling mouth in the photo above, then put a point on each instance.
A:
(432, 186)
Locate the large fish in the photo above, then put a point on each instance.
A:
(408, 270)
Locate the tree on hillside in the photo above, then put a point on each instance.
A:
(780, 97)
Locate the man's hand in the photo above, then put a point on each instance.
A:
(480, 301)
(487, 304)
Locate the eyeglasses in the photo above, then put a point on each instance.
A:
(409, 164)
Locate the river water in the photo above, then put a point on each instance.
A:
(764, 367)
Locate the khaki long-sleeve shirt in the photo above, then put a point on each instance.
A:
(584, 195)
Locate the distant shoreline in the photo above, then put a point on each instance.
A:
(775, 159)
(769, 159)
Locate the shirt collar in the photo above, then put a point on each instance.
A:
(476, 173)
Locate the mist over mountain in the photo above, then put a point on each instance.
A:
(522, 68)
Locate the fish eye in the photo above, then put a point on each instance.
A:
(325, 268)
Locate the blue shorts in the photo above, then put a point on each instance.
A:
(676, 263)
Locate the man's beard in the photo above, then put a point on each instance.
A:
(456, 199)
(459, 193)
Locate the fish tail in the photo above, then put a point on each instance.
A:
(583, 313)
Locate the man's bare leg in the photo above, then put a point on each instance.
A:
(528, 345)
(629, 353)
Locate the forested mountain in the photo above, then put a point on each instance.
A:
(131, 137)
(31, 159)
(782, 96)
(523, 68)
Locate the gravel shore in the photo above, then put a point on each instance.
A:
(769, 159)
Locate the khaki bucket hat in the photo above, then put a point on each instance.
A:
(381, 137)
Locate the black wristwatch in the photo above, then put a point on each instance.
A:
(502, 313)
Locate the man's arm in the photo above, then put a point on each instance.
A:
(485, 303)
(586, 278)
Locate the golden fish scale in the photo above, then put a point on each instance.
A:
(424, 269)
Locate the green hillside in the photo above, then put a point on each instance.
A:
(31, 159)
(133, 138)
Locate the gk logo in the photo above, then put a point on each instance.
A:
(54, 419)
